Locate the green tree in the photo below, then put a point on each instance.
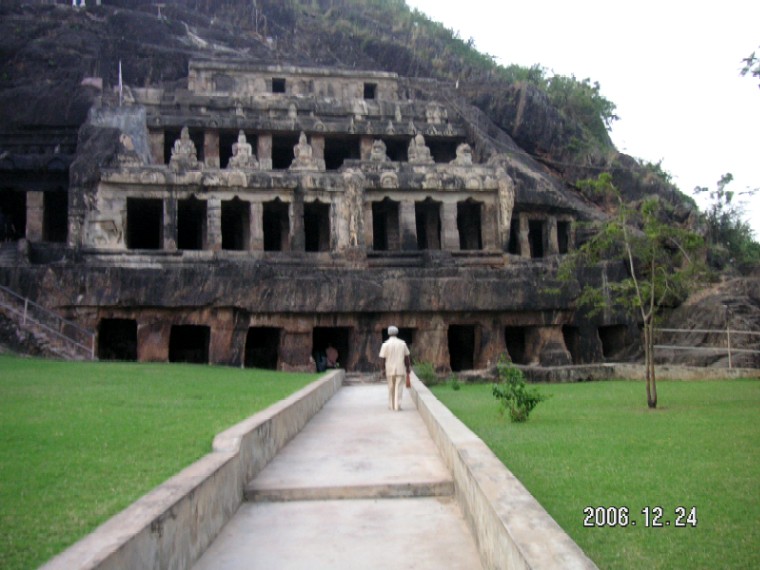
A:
(726, 228)
(751, 66)
(660, 259)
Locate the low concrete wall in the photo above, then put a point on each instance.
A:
(512, 530)
(172, 526)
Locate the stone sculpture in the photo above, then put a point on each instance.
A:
(418, 152)
(242, 154)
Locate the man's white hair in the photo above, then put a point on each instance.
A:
(392, 331)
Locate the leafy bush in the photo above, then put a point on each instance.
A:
(512, 393)
(426, 373)
(454, 382)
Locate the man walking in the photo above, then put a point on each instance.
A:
(395, 354)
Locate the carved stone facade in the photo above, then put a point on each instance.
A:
(264, 212)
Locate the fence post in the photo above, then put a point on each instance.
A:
(728, 342)
(26, 306)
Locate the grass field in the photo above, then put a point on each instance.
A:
(597, 445)
(81, 441)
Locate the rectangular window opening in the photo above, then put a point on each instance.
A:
(145, 217)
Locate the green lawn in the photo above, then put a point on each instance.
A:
(597, 445)
(81, 441)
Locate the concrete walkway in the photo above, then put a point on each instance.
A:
(359, 487)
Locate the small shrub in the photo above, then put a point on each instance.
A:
(512, 393)
(426, 373)
(454, 383)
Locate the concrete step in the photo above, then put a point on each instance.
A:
(442, 488)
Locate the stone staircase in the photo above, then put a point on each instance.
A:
(29, 328)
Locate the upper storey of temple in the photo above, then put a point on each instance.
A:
(219, 78)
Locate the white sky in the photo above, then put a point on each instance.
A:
(672, 68)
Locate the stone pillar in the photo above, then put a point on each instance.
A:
(35, 215)
(257, 227)
(408, 223)
(264, 151)
(523, 232)
(169, 229)
(318, 146)
(365, 146)
(153, 342)
(489, 230)
(552, 243)
(213, 224)
(295, 352)
(211, 148)
(449, 229)
(369, 227)
(222, 349)
(492, 344)
(297, 236)
(157, 139)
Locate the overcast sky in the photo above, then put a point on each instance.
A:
(671, 68)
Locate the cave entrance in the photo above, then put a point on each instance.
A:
(563, 237)
(191, 223)
(55, 222)
(262, 347)
(536, 238)
(338, 149)
(13, 215)
(572, 338)
(276, 222)
(282, 151)
(385, 226)
(462, 342)
(236, 224)
(145, 217)
(469, 225)
(428, 220)
(514, 237)
(514, 338)
(189, 343)
(326, 337)
(443, 150)
(278, 85)
(117, 339)
(614, 339)
(370, 91)
(316, 225)
(406, 334)
(397, 149)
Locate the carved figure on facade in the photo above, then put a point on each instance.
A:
(506, 205)
(378, 153)
(419, 153)
(303, 156)
(435, 114)
(242, 154)
(184, 155)
(464, 155)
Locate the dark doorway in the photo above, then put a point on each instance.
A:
(145, 218)
(189, 343)
(461, 347)
(12, 215)
(514, 237)
(444, 150)
(338, 149)
(514, 338)
(572, 342)
(563, 237)
(117, 339)
(385, 226)
(191, 224)
(316, 226)
(276, 222)
(282, 151)
(397, 149)
(370, 91)
(325, 337)
(56, 216)
(405, 334)
(236, 224)
(262, 348)
(278, 85)
(428, 219)
(536, 238)
(614, 340)
(469, 225)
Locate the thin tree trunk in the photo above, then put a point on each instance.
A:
(649, 363)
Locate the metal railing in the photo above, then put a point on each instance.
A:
(730, 350)
(30, 313)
